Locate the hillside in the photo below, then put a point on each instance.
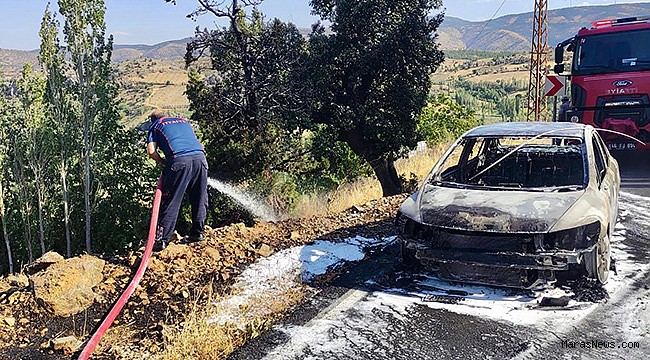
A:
(513, 32)
(12, 61)
(168, 50)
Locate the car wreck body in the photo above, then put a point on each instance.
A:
(514, 204)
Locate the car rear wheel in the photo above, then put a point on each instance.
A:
(598, 261)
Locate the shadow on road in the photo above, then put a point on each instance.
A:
(635, 172)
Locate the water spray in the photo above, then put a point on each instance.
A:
(256, 205)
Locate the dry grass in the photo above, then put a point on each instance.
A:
(197, 338)
(168, 97)
(367, 189)
(512, 72)
(421, 163)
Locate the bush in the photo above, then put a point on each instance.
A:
(443, 118)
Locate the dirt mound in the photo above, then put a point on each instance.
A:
(177, 278)
(65, 287)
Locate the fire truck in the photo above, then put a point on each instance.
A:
(610, 80)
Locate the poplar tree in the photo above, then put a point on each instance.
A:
(4, 154)
(90, 52)
(35, 141)
(58, 96)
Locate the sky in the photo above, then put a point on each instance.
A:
(154, 21)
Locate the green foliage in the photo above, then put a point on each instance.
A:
(501, 96)
(497, 57)
(335, 162)
(490, 91)
(250, 107)
(279, 188)
(125, 182)
(443, 119)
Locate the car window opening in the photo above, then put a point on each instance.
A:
(541, 164)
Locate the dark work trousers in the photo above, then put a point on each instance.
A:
(183, 174)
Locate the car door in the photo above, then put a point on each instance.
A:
(606, 179)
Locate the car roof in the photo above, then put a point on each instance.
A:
(529, 129)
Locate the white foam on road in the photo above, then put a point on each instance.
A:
(286, 269)
(323, 255)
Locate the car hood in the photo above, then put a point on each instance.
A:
(493, 211)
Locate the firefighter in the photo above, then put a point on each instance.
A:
(566, 105)
(185, 170)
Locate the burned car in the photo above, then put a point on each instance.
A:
(515, 205)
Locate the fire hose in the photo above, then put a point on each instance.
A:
(119, 304)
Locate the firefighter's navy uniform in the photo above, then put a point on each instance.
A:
(186, 170)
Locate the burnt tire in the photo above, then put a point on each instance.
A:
(598, 261)
(409, 261)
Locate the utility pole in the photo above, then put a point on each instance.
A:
(538, 63)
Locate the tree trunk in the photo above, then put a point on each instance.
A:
(66, 212)
(382, 165)
(28, 233)
(5, 234)
(85, 108)
(23, 198)
(87, 182)
(387, 175)
(41, 227)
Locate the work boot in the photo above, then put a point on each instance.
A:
(159, 245)
(192, 238)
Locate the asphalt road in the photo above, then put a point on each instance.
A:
(635, 173)
(376, 310)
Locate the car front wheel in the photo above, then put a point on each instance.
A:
(409, 261)
(597, 262)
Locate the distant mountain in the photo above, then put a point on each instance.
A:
(12, 61)
(168, 50)
(513, 32)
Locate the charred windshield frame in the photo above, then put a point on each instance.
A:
(613, 53)
(549, 163)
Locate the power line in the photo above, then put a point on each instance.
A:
(486, 24)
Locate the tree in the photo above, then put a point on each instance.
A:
(4, 155)
(58, 96)
(443, 119)
(25, 143)
(251, 106)
(371, 75)
(84, 31)
(36, 138)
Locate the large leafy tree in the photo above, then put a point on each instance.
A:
(371, 75)
(250, 105)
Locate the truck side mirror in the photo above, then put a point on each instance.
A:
(558, 68)
(559, 55)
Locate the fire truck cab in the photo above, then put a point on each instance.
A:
(610, 80)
